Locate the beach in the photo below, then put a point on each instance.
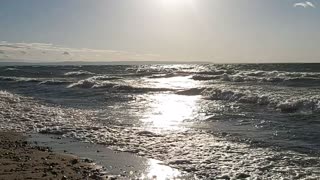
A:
(160, 89)
(20, 160)
(46, 154)
(159, 122)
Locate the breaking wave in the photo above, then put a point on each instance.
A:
(54, 82)
(119, 86)
(307, 79)
(79, 73)
(11, 69)
(289, 104)
(105, 77)
(285, 104)
(35, 80)
(162, 75)
(19, 79)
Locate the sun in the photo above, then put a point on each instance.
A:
(174, 3)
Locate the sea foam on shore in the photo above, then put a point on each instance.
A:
(194, 151)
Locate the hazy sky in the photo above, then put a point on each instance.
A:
(179, 30)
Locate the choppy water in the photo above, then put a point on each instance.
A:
(273, 106)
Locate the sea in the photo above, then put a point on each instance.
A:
(211, 120)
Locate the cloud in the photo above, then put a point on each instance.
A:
(305, 4)
(310, 4)
(51, 52)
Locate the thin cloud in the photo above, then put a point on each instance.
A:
(305, 4)
(50, 52)
(310, 4)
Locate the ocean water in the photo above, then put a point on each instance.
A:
(262, 110)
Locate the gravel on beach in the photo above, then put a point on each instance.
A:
(20, 160)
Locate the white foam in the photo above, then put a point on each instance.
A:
(86, 83)
(257, 76)
(194, 151)
(99, 82)
(283, 103)
(54, 82)
(78, 73)
(11, 69)
(19, 79)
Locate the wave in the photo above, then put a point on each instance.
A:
(79, 73)
(35, 80)
(92, 83)
(259, 78)
(127, 88)
(162, 76)
(191, 92)
(54, 82)
(105, 77)
(87, 83)
(303, 80)
(237, 96)
(216, 72)
(8, 78)
(11, 69)
(300, 104)
(19, 79)
(205, 77)
(285, 104)
(222, 77)
(279, 74)
(9, 97)
(288, 104)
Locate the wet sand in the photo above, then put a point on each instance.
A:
(120, 165)
(40, 156)
(21, 160)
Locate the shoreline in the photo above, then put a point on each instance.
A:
(42, 156)
(21, 160)
(114, 163)
(194, 151)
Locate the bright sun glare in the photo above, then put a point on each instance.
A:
(174, 3)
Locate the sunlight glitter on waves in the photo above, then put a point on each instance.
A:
(179, 82)
(157, 171)
(169, 111)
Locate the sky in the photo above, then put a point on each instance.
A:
(217, 31)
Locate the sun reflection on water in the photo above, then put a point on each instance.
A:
(168, 111)
(157, 171)
(179, 82)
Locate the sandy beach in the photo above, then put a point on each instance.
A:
(20, 160)
(41, 156)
